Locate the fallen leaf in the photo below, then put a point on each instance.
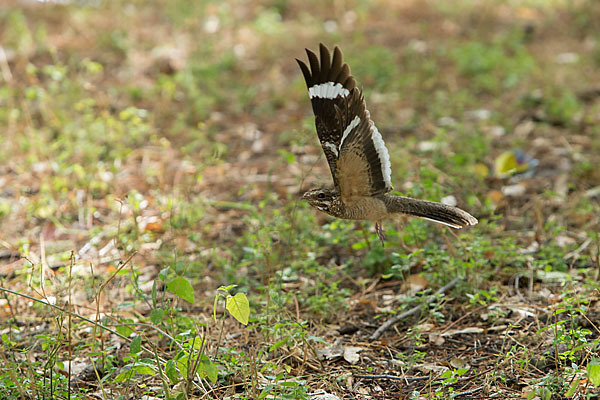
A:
(336, 350)
(436, 339)
(414, 283)
(351, 354)
(322, 395)
(426, 367)
(456, 362)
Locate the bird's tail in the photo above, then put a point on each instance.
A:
(430, 210)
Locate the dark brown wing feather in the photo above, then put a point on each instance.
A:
(357, 156)
(333, 71)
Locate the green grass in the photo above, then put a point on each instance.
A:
(151, 165)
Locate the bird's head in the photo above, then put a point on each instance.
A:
(321, 199)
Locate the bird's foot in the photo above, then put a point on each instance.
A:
(379, 230)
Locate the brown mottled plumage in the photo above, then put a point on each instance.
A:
(356, 153)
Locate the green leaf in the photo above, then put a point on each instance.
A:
(124, 376)
(182, 288)
(124, 330)
(215, 306)
(288, 156)
(195, 343)
(359, 245)
(154, 294)
(593, 371)
(182, 365)
(546, 394)
(144, 369)
(135, 347)
(278, 344)
(531, 395)
(226, 288)
(446, 374)
(130, 370)
(572, 388)
(239, 307)
(162, 275)
(208, 369)
(171, 371)
(157, 315)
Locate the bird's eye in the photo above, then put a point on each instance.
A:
(321, 195)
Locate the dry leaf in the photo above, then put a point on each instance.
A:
(351, 354)
(436, 339)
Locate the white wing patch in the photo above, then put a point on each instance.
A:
(384, 156)
(331, 147)
(328, 90)
(353, 124)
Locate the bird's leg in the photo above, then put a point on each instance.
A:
(379, 230)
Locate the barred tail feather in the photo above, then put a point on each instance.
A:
(430, 210)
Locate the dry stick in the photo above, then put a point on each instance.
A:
(531, 276)
(94, 335)
(451, 324)
(110, 278)
(71, 259)
(392, 377)
(477, 389)
(192, 364)
(163, 378)
(389, 323)
(516, 284)
(212, 390)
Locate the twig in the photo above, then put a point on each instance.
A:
(450, 325)
(70, 325)
(477, 389)
(110, 278)
(392, 377)
(389, 323)
(517, 278)
(575, 253)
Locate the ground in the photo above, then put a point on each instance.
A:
(152, 159)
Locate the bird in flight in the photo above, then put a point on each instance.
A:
(358, 158)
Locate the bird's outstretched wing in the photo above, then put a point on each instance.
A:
(354, 148)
